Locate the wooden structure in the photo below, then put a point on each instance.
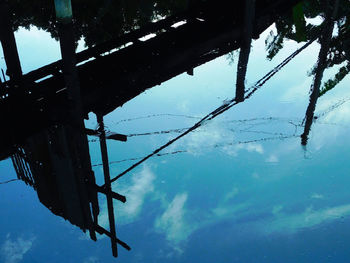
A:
(43, 110)
(112, 73)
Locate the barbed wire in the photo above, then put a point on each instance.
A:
(9, 181)
(280, 137)
(218, 111)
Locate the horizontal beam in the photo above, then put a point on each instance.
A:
(114, 195)
(99, 229)
(113, 136)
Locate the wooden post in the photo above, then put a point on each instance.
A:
(249, 16)
(67, 45)
(8, 43)
(107, 184)
(79, 149)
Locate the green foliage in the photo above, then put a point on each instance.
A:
(331, 83)
(293, 27)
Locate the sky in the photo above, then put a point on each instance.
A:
(242, 190)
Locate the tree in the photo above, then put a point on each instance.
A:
(290, 27)
(95, 20)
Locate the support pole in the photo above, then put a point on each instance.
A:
(8, 43)
(325, 40)
(67, 45)
(79, 148)
(249, 16)
(107, 184)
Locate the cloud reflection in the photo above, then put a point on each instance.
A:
(172, 222)
(141, 185)
(13, 250)
(292, 223)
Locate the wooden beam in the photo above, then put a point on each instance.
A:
(114, 195)
(107, 185)
(103, 231)
(113, 136)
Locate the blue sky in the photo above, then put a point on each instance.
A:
(234, 196)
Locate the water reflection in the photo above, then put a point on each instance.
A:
(50, 152)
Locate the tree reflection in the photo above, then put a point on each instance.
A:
(325, 39)
(95, 21)
(297, 26)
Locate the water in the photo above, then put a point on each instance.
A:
(239, 188)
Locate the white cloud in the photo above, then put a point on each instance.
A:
(91, 260)
(178, 223)
(141, 185)
(172, 222)
(340, 115)
(289, 224)
(317, 196)
(298, 92)
(272, 159)
(336, 119)
(225, 208)
(254, 147)
(215, 134)
(250, 147)
(207, 136)
(183, 106)
(233, 193)
(224, 211)
(277, 209)
(13, 250)
(255, 175)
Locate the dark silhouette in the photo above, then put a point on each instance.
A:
(249, 17)
(8, 43)
(339, 46)
(44, 129)
(325, 40)
(137, 67)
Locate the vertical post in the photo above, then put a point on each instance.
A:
(14, 70)
(79, 148)
(67, 44)
(321, 65)
(249, 15)
(8, 43)
(107, 184)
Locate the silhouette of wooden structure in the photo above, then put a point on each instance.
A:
(107, 81)
(45, 162)
(43, 110)
(56, 160)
